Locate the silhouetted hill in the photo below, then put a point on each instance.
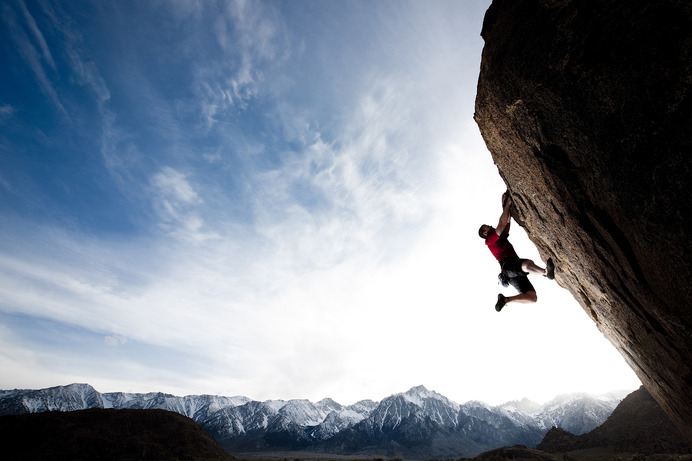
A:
(106, 434)
(637, 425)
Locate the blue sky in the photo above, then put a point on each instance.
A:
(272, 199)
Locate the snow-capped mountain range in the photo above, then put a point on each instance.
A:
(417, 422)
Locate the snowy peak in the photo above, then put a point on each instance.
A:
(328, 405)
(426, 399)
(524, 406)
(420, 394)
(303, 412)
(64, 398)
(363, 406)
(417, 403)
(578, 412)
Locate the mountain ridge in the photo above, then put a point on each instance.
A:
(418, 422)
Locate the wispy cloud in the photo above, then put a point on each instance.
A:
(6, 111)
(88, 75)
(249, 36)
(33, 52)
(115, 340)
(38, 36)
(175, 202)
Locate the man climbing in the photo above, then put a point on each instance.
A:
(514, 269)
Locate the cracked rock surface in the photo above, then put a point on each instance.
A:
(586, 109)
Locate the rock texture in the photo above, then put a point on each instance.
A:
(585, 107)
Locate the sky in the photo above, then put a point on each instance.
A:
(275, 199)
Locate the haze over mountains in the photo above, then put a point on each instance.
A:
(416, 422)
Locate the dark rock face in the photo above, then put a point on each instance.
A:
(585, 106)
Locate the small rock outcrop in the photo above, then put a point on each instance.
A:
(585, 106)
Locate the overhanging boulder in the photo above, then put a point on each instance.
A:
(585, 107)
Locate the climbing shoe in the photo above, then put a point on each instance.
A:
(550, 269)
(500, 302)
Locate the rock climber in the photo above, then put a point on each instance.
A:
(514, 270)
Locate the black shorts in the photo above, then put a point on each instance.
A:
(511, 267)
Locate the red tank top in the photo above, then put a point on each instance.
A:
(499, 246)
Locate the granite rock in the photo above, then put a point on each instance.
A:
(585, 107)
